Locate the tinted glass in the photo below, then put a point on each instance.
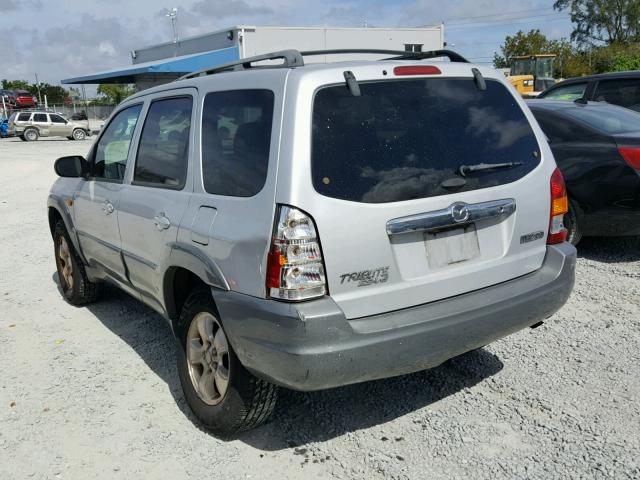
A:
(57, 118)
(163, 153)
(401, 139)
(607, 119)
(24, 117)
(112, 150)
(236, 137)
(567, 92)
(559, 128)
(625, 93)
(40, 118)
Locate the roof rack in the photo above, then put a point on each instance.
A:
(294, 58)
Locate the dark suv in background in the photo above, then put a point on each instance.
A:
(618, 88)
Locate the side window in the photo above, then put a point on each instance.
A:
(40, 118)
(236, 138)
(24, 117)
(625, 93)
(163, 153)
(567, 92)
(56, 118)
(112, 150)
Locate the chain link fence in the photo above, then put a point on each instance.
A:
(97, 112)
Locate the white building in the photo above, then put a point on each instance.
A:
(165, 62)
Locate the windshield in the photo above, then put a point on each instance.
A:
(607, 118)
(522, 66)
(401, 139)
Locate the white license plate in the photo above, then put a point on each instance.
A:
(452, 246)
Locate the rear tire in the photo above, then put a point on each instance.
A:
(76, 287)
(572, 225)
(31, 134)
(21, 137)
(222, 394)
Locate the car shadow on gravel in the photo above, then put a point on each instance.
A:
(300, 417)
(610, 249)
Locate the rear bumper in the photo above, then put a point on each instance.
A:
(312, 346)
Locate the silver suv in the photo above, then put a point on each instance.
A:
(30, 126)
(315, 226)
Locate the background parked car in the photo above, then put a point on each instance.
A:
(29, 126)
(24, 99)
(618, 88)
(597, 148)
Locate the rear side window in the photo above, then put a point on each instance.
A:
(606, 118)
(401, 139)
(56, 118)
(163, 154)
(40, 118)
(236, 138)
(24, 117)
(625, 93)
(567, 92)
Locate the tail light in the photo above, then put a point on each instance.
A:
(295, 269)
(559, 207)
(416, 70)
(631, 155)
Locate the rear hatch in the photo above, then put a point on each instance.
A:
(406, 208)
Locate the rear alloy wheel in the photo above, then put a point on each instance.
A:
(30, 135)
(574, 234)
(222, 394)
(76, 287)
(79, 134)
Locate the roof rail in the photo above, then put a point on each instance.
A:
(292, 58)
(397, 54)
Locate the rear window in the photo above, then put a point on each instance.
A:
(608, 119)
(401, 139)
(24, 117)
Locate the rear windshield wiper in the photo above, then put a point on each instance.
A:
(464, 169)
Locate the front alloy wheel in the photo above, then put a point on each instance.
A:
(79, 134)
(208, 358)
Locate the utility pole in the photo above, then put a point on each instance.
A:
(38, 87)
(173, 16)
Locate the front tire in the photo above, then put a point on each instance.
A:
(79, 134)
(76, 287)
(222, 394)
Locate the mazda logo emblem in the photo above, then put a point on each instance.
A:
(459, 212)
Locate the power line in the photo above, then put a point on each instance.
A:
(514, 12)
(509, 22)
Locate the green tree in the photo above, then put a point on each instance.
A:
(603, 21)
(15, 85)
(535, 42)
(115, 93)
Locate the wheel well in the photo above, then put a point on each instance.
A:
(54, 217)
(179, 283)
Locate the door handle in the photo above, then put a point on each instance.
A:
(161, 222)
(108, 207)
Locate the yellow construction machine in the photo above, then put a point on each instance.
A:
(531, 74)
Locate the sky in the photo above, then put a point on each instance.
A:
(65, 38)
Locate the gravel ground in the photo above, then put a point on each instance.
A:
(93, 392)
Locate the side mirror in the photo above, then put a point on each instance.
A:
(73, 166)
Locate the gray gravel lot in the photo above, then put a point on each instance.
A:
(93, 392)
